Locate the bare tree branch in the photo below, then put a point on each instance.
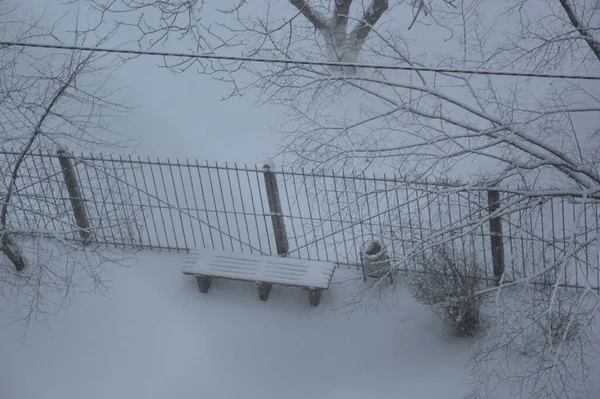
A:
(583, 30)
(315, 18)
(367, 22)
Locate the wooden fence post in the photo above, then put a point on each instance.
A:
(496, 238)
(77, 202)
(281, 239)
(13, 252)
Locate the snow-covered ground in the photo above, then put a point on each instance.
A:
(156, 336)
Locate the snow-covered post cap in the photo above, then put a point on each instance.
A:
(268, 165)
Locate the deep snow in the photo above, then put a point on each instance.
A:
(156, 336)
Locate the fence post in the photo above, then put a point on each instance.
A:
(496, 235)
(81, 217)
(281, 239)
(13, 252)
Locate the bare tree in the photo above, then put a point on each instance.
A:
(539, 135)
(49, 101)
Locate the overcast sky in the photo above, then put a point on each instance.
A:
(183, 116)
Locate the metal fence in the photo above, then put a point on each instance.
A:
(178, 205)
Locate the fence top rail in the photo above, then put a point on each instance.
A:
(206, 165)
(449, 186)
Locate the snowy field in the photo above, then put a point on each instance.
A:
(155, 336)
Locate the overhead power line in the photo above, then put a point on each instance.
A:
(301, 62)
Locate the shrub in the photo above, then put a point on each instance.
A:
(447, 282)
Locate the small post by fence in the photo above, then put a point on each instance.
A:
(81, 217)
(13, 252)
(281, 239)
(496, 239)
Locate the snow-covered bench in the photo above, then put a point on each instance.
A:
(205, 264)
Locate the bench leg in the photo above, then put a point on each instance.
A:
(314, 294)
(203, 283)
(263, 291)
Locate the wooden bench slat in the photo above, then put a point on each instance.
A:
(252, 267)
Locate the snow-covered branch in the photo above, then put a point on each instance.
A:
(584, 31)
(314, 17)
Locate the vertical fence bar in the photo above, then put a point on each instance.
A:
(149, 198)
(187, 204)
(472, 214)
(159, 206)
(597, 232)
(496, 239)
(143, 216)
(289, 204)
(402, 242)
(254, 209)
(586, 237)
(164, 185)
(339, 212)
(235, 213)
(420, 218)
(553, 238)
(237, 175)
(112, 203)
(88, 197)
(521, 213)
(331, 220)
(124, 227)
(310, 214)
(368, 206)
(543, 235)
(281, 240)
(297, 195)
(178, 206)
(564, 233)
(428, 201)
(189, 169)
(103, 216)
(46, 195)
(118, 183)
(450, 225)
(511, 246)
(361, 219)
(574, 238)
(321, 220)
(531, 240)
(98, 226)
(130, 218)
(225, 213)
(212, 241)
(460, 218)
(21, 208)
(410, 223)
(448, 228)
(389, 217)
(349, 207)
(212, 190)
(30, 183)
(262, 207)
(482, 210)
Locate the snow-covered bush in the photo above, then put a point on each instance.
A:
(447, 282)
(559, 315)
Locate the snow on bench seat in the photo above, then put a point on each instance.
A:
(264, 270)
